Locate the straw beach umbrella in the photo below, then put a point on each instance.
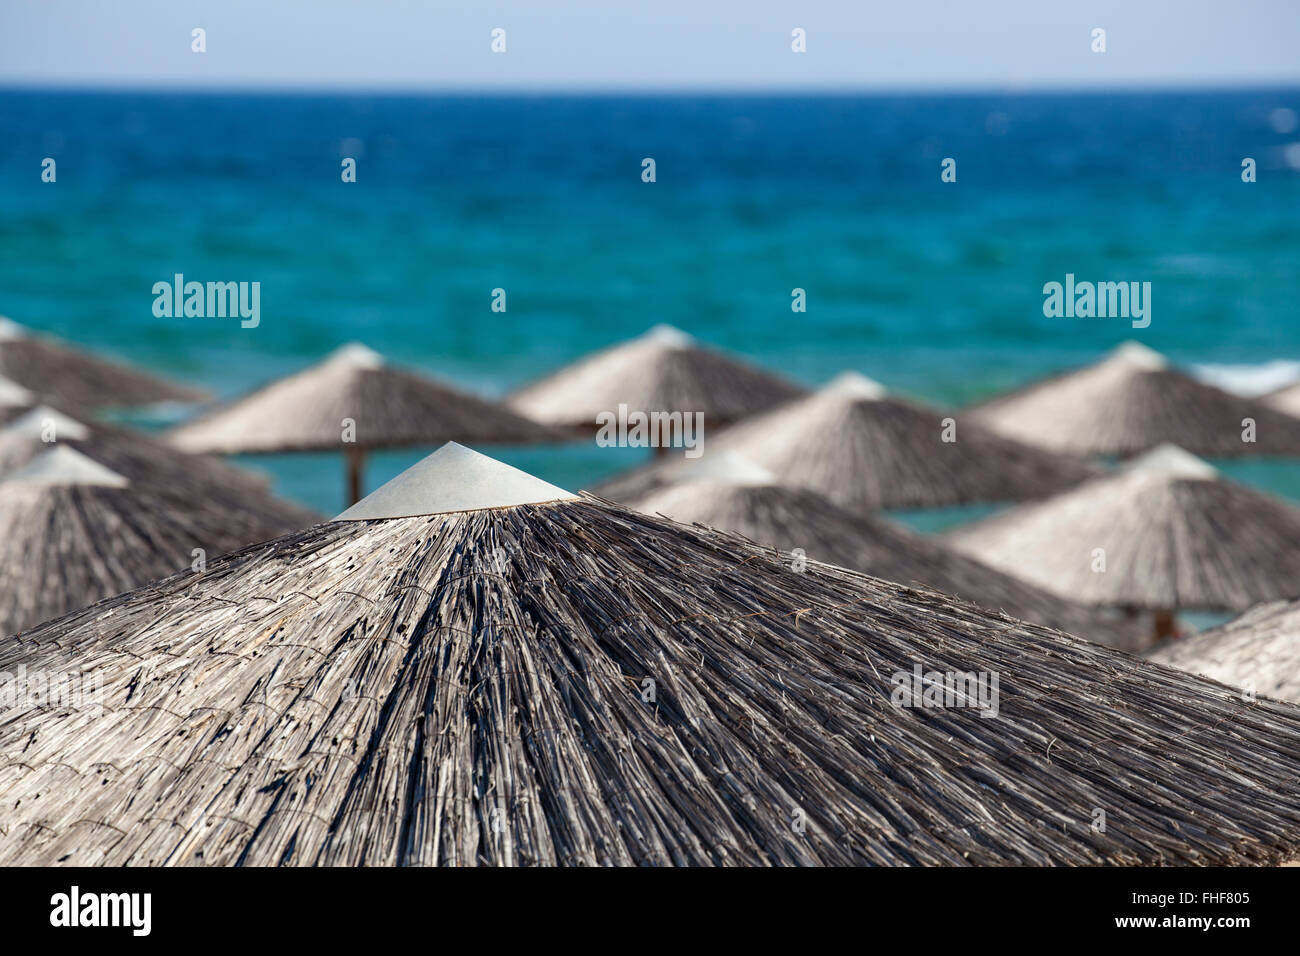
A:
(1285, 399)
(1133, 400)
(1165, 533)
(75, 532)
(474, 667)
(75, 379)
(865, 450)
(1259, 650)
(389, 408)
(663, 370)
(14, 400)
(741, 497)
(173, 477)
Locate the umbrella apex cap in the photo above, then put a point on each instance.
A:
(62, 465)
(1169, 459)
(668, 336)
(356, 355)
(12, 394)
(852, 384)
(42, 419)
(10, 330)
(453, 478)
(1140, 356)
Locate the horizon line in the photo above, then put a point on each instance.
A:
(1008, 88)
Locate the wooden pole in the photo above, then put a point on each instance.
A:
(1166, 625)
(356, 462)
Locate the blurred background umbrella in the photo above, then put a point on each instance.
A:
(385, 406)
(176, 478)
(742, 498)
(75, 379)
(663, 370)
(867, 450)
(1165, 533)
(1131, 401)
(74, 532)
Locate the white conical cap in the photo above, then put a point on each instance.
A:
(356, 355)
(729, 466)
(36, 421)
(13, 395)
(1139, 356)
(854, 385)
(1169, 459)
(668, 336)
(10, 330)
(453, 478)
(62, 465)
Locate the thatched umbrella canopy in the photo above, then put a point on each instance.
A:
(76, 379)
(474, 667)
(75, 532)
(1133, 400)
(743, 498)
(1285, 399)
(175, 478)
(865, 449)
(663, 370)
(390, 408)
(1259, 651)
(749, 502)
(14, 400)
(1165, 533)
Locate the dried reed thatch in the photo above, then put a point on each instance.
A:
(14, 400)
(176, 479)
(75, 532)
(1259, 651)
(663, 370)
(1133, 400)
(1285, 399)
(751, 504)
(76, 379)
(563, 681)
(1174, 535)
(391, 408)
(865, 450)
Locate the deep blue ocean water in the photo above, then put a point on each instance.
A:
(933, 288)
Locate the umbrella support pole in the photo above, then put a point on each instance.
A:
(356, 462)
(1166, 626)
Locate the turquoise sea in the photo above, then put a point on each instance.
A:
(934, 288)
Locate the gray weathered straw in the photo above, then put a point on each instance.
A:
(1174, 536)
(15, 400)
(662, 370)
(391, 408)
(75, 532)
(176, 479)
(76, 379)
(1285, 399)
(1258, 651)
(866, 450)
(566, 682)
(1131, 401)
(790, 518)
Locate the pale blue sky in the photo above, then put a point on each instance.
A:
(621, 44)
